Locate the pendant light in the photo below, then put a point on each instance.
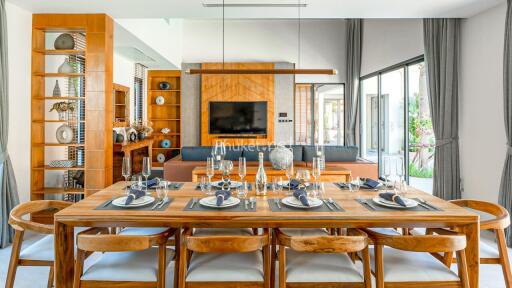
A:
(264, 71)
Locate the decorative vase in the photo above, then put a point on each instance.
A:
(56, 89)
(164, 85)
(64, 134)
(64, 41)
(165, 130)
(119, 138)
(160, 158)
(66, 67)
(132, 136)
(62, 115)
(72, 88)
(281, 158)
(166, 143)
(141, 135)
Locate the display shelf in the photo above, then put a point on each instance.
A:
(60, 51)
(46, 167)
(52, 190)
(59, 144)
(60, 98)
(42, 74)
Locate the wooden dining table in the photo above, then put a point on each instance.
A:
(355, 215)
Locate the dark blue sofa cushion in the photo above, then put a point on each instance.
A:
(195, 153)
(251, 152)
(333, 153)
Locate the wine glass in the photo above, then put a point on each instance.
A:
(146, 170)
(354, 183)
(127, 171)
(160, 192)
(210, 171)
(289, 174)
(316, 170)
(242, 168)
(400, 169)
(387, 169)
(203, 184)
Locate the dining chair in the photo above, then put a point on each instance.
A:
(322, 260)
(124, 260)
(405, 260)
(223, 260)
(39, 253)
(499, 221)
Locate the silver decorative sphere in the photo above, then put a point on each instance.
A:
(281, 157)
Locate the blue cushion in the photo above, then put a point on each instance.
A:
(233, 153)
(251, 152)
(196, 153)
(333, 153)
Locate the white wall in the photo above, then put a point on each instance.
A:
(482, 132)
(323, 44)
(387, 42)
(19, 29)
(124, 70)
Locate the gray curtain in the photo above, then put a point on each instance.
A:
(441, 40)
(353, 72)
(8, 189)
(506, 177)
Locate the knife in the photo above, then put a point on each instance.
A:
(108, 203)
(245, 203)
(368, 204)
(327, 204)
(194, 201)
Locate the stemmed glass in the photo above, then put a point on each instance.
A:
(146, 170)
(316, 171)
(203, 184)
(387, 169)
(219, 151)
(127, 171)
(226, 166)
(242, 191)
(289, 175)
(210, 171)
(242, 168)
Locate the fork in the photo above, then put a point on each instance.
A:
(194, 201)
(157, 203)
(166, 199)
(365, 201)
(327, 204)
(276, 200)
(333, 203)
(253, 201)
(425, 203)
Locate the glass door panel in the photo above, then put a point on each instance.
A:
(329, 104)
(370, 119)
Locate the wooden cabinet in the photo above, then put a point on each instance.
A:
(121, 109)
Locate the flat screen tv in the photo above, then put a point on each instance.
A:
(238, 118)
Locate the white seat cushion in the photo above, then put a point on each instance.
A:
(227, 267)
(127, 266)
(404, 266)
(488, 251)
(316, 267)
(385, 231)
(304, 232)
(42, 249)
(222, 231)
(142, 231)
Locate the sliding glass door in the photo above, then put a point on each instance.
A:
(395, 122)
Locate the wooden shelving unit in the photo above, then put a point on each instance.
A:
(167, 115)
(91, 148)
(121, 105)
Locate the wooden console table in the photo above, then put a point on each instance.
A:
(330, 174)
(136, 151)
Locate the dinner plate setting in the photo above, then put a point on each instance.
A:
(409, 203)
(211, 202)
(295, 203)
(142, 201)
(232, 184)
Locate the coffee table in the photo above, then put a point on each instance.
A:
(330, 174)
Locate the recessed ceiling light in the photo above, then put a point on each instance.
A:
(255, 5)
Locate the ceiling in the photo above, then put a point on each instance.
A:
(316, 9)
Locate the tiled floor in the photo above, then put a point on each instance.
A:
(36, 277)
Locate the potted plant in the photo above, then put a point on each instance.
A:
(62, 108)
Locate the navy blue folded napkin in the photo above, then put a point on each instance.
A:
(302, 196)
(150, 183)
(294, 184)
(134, 194)
(342, 185)
(221, 196)
(390, 196)
(370, 183)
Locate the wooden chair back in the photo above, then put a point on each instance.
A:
(355, 242)
(18, 223)
(502, 217)
(225, 244)
(89, 240)
(445, 241)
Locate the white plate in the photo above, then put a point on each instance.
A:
(160, 100)
(233, 184)
(408, 202)
(285, 184)
(212, 202)
(144, 200)
(294, 202)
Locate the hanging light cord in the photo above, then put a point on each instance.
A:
(223, 32)
(298, 35)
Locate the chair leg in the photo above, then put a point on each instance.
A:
(266, 266)
(273, 256)
(15, 257)
(162, 251)
(504, 260)
(79, 266)
(282, 266)
(50, 277)
(366, 268)
(177, 245)
(379, 266)
(462, 267)
(182, 275)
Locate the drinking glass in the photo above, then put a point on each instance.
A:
(400, 169)
(203, 184)
(387, 169)
(138, 180)
(146, 170)
(242, 190)
(317, 163)
(210, 171)
(303, 175)
(354, 184)
(277, 185)
(160, 191)
(127, 171)
(242, 168)
(289, 174)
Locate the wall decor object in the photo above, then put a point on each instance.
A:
(165, 131)
(61, 163)
(160, 158)
(164, 85)
(72, 91)
(62, 108)
(64, 134)
(281, 157)
(160, 100)
(56, 89)
(166, 143)
(66, 67)
(64, 42)
(141, 136)
(119, 138)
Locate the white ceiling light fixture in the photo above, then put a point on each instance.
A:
(298, 5)
(254, 5)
